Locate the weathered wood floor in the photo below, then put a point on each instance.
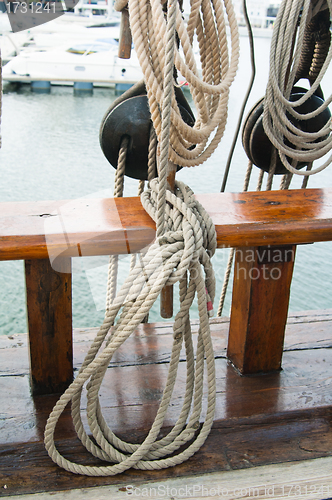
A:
(260, 420)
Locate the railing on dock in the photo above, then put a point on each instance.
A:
(264, 228)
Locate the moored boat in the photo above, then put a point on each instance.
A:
(96, 62)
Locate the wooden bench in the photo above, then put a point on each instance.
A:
(264, 227)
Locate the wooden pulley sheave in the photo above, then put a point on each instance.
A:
(129, 116)
(256, 143)
(258, 146)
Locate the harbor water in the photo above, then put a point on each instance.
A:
(50, 150)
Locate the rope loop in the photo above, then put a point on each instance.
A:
(286, 64)
(181, 254)
(182, 251)
(208, 81)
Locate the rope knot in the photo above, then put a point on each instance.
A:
(180, 254)
(190, 239)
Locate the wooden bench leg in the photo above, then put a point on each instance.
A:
(261, 288)
(49, 310)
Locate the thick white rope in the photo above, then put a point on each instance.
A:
(118, 193)
(277, 105)
(206, 32)
(179, 253)
(184, 245)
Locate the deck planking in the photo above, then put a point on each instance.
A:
(310, 479)
(260, 420)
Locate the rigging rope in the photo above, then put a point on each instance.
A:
(279, 110)
(210, 93)
(312, 56)
(184, 245)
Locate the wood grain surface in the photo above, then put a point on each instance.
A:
(260, 299)
(260, 420)
(49, 313)
(38, 230)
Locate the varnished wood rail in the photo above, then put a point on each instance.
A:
(47, 234)
(39, 230)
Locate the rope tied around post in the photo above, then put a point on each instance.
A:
(178, 255)
(182, 251)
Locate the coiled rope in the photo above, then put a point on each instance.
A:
(185, 242)
(278, 109)
(209, 92)
(312, 57)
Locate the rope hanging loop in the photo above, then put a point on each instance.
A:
(182, 251)
(293, 56)
(202, 39)
(179, 255)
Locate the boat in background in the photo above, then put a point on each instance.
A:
(83, 24)
(95, 63)
(74, 48)
(93, 8)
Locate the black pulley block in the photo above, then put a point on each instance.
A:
(131, 118)
(258, 146)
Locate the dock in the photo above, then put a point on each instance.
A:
(80, 83)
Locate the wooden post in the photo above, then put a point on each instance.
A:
(125, 40)
(261, 288)
(50, 325)
(166, 296)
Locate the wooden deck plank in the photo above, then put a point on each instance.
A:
(152, 342)
(38, 230)
(310, 479)
(26, 468)
(259, 420)
(130, 395)
(130, 400)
